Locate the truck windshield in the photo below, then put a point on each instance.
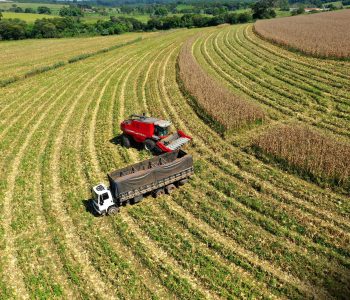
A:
(103, 197)
(161, 131)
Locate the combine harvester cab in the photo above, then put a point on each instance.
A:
(158, 175)
(152, 133)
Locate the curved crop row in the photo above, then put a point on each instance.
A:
(230, 111)
(243, 69)
(240, 228)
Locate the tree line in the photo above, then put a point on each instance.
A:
(15, 29)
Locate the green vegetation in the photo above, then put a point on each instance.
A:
(29, 18)
(53, 7)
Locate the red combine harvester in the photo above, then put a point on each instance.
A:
(152, 133)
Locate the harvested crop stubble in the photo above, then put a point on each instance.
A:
(316, 154)
(324, 34)
(225, 108)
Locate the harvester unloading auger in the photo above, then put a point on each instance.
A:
(153, 133)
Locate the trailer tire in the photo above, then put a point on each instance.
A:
(126, 141)
(170, 188)
(149, 145)
(158, 193)
(113, 210)
(182, 182)
(136, 199)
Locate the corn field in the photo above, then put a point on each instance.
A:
(241, 228)
(316, 154)
(325, 35)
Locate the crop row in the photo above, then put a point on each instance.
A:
(21, 57)
(229, 111)
(181, 107)
(240, 228)
(260, 80)
(61, 245)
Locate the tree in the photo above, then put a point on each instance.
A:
(154, 23)
(71, 11)
(263, 9)
(161, 12)
(13, 29)
(29, 10)
(44, 10)
(283, 5)
(187, 20)
(300, 10)
(244, 17)
(1, 16)
(16, 9)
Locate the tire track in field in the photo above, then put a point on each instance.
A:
(121, 114)
(15, 274)
(166, 98)
(71, 238)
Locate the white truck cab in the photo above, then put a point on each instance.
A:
(103, 200)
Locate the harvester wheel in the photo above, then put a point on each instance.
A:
(113, 210)
(158, 193)
(170, 188)
(126, 141)
(149, 145)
